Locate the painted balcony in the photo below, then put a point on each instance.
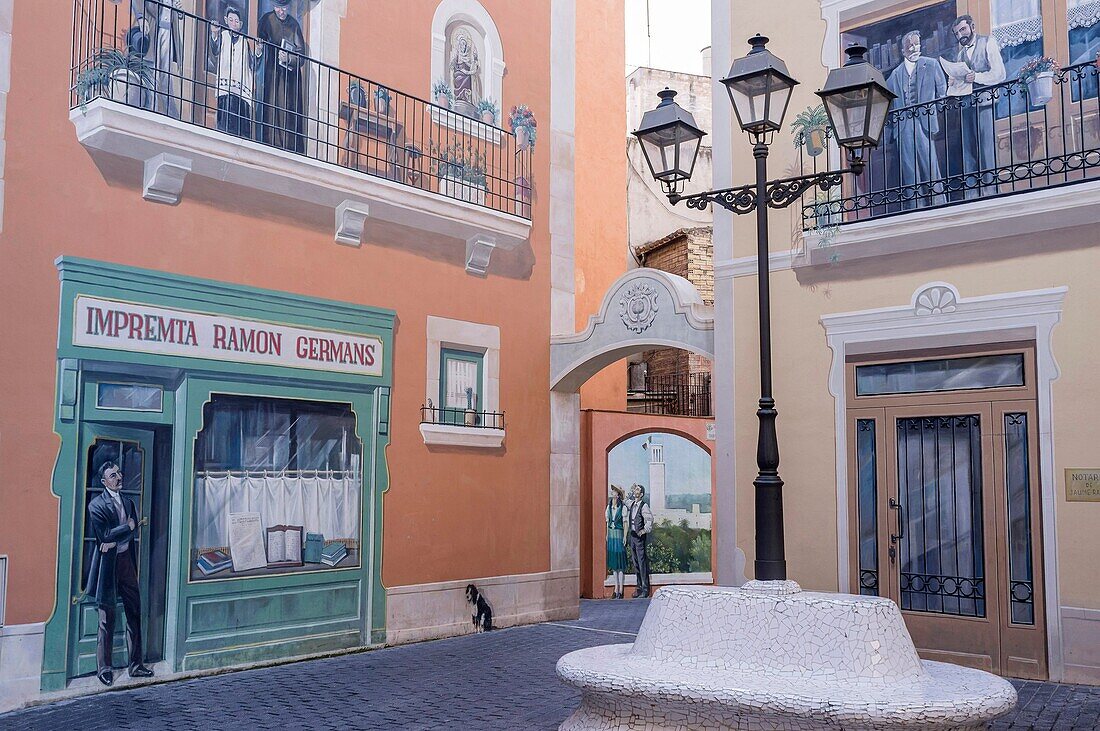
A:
(1009, 159)
(238, 111)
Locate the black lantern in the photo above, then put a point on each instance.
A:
(670, 141)
(760, 88)
(857, 101)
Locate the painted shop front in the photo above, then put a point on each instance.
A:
(249, 427)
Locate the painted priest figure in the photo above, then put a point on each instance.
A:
(282, 104)
(641, 525)
(113, 574)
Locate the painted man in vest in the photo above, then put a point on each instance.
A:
(982, 55)
(113, 574)
(916, 80)
(641, 525)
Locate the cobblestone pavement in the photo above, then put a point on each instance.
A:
(500, 680)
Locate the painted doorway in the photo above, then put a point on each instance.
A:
(946, 502)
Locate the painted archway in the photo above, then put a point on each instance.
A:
(644, 309)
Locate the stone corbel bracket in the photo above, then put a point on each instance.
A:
(479, 249)
(351, 216)
(164, 176)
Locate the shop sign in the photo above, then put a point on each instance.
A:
(101, 323)
(1083, 486)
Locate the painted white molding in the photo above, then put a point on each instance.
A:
(1028, 315)
(982, 220)
(164, 177)
(351, 216)
(492, 65)
(465, 125)
(698, 577)
(21, 649)
(478, 251)
(462, 436)
(745, 266)
(443, 332)
(109, 127)
(7, 7)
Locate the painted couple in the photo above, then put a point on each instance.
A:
(629, 524)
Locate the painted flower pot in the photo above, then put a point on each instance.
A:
(382, 105)
(523, 138)
(470, 417)
(442, 100)
(460, 189)
(126, 87)
(814, 141)
(426, 416)
(488, 117)
(523, 196)
(1040, 88)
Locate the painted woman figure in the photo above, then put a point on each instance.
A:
(282, 103)
(616, 547)
(465, 72)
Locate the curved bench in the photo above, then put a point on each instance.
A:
(770, 656)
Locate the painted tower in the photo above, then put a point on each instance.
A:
(656, 475)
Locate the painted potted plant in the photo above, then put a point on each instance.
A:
(470, 415)
(442, 94)
(523, 196)
(122, 76)
(382, 101)
(356, 96)
(461, 172)
(412, 166)
(488, 111)
(809, 128)
(1037, 76)
(427, 415)
(524, 127)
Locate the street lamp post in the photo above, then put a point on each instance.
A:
(856, 100)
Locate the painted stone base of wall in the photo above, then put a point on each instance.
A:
(430, 611)
(1081, 633)
(21, 648)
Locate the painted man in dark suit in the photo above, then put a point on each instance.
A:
(113, 574)
(982, 55)
(641, 525)
(916, 80)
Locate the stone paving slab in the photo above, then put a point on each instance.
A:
(501, 680)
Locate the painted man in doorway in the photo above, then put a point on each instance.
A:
(641, 525)
(113, 574)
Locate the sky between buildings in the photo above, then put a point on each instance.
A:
(678, 30)
(687, 465)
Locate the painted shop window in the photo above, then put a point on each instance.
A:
(277, 488)
(675, 475)
(461, 375)
(129, 397)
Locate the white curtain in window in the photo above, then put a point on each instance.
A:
(461, 374)
(1016, 21)
(321, 503)
(1082, 13)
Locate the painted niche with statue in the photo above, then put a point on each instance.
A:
(465, 54)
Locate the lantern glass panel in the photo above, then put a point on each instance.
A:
(780, 97)
(848, 112)
(685, 157)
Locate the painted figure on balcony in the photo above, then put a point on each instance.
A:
(161, 21)
(465, 72)
(236, 60)
(916, 80)
(282, 103)
(982, 55)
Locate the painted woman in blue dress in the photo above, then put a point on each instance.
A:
(616, 547)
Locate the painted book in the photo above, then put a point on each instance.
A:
(315, 543)
(284, 545)
(246, 541)
(333, 553)
(212, 562)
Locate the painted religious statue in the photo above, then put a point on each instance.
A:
(282, 103)
(464, 68)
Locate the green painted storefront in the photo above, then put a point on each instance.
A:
(215, 622)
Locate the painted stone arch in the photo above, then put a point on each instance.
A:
(642, 310)
(455, 19)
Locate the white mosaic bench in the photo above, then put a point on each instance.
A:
(770, 656)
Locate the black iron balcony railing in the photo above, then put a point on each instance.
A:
(454, 416)
(196, 71)
(1004, 139)
(680, 394)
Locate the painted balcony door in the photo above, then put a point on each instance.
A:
(946, 524)
(132, 449)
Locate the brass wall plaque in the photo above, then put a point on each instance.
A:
(1083, 486)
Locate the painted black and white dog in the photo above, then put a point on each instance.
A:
(483, 613)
